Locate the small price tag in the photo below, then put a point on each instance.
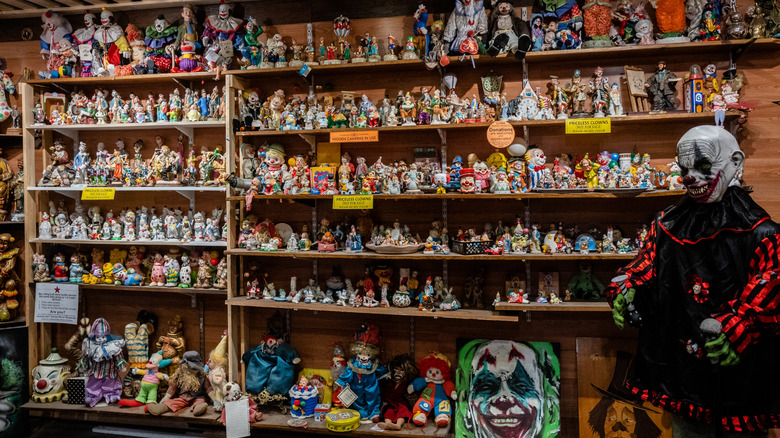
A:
(305, 70)
(98, 194)
(354, 137)
(353, 202)
(589, 126)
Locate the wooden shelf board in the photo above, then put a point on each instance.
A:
(129, 126)
(421, 256)
(194, 244)
(153, 289)
(570, 306)
(134, 79)
(136, 416)
(639, 118)
(492, 196)
(412, 311)
(11, 136)
(19, 321)
(483, 61)
(159, 188)
(11, 223)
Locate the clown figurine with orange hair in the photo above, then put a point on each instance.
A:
(437, 389)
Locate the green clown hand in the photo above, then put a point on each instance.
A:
(620, 307)
(720, 351)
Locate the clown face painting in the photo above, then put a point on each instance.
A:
(508, 390)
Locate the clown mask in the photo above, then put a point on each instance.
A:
(710, 161)
(506, 391)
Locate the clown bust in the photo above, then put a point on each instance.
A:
(707, 279)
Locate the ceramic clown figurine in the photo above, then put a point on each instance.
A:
(188, 29)
(218, 36)
(710, 261)
(49, 378)
(83, 40)
(101, 362)
(111, 40)
(55, 29)
(437, 390)
(158, 37)
(363, 372)
(249, 45)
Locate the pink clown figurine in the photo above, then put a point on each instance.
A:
(112, 42)
(101, 362)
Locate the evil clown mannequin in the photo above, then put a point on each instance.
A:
(102, 363)
(704, 294)
(218, 37)
(507, 390)
(112, 42)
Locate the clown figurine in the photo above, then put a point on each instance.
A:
(507, 33)
(363, 372)
(158, 37)
(102, 363)
(218, 37)
(55, 29)
(187, 30)
(112, 43)
(711, 262)
(437, 389)
(83, 39)
(248, 44)
(468, 20)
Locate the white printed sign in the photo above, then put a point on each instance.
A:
(57, 303)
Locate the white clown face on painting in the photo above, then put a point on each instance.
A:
(508, 395)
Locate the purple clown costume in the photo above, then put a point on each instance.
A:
(102, 359)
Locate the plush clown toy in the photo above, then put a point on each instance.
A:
(707, 280)
(437, 390)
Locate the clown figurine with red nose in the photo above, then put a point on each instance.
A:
(437, 390)
(112, 43)
(158, 37)
(218, 37)
(718, 240)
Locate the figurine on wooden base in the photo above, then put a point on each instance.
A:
(102, 363)
(437, 390)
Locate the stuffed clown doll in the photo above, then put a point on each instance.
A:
(363, 373)
(703, 292)
(437, 390)
(83, 39)
(218, 37)
(102, 363)
(158, 37)
(111, 40)
(55, 29)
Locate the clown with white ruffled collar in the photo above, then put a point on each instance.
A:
(112, 41)
(220, 27)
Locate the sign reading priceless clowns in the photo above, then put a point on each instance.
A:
(507, 389)
(589, 126)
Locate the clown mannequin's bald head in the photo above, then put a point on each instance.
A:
(710, 161)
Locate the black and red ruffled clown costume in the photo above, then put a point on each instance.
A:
(705, 260)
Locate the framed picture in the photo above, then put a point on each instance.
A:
(604, 406)
(635, 78)
(507, 389)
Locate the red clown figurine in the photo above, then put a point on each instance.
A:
(437, 389)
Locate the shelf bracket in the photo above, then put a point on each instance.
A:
(186, 130)
(310, 139)
(189, 195)
(71, 134)
(738, 51)
(527, 316)
(442, 136)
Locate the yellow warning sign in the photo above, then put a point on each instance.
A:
(98, 194)
(353, 202)
(589, 126)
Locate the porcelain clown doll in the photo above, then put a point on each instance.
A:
(83, 40)
(363, 373)
(703, 292)
(467, 20)
(218, 36)
(158, 37)
(112, 42)
(55, 29)
(102, 362)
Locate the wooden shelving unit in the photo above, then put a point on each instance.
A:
(244, 318)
